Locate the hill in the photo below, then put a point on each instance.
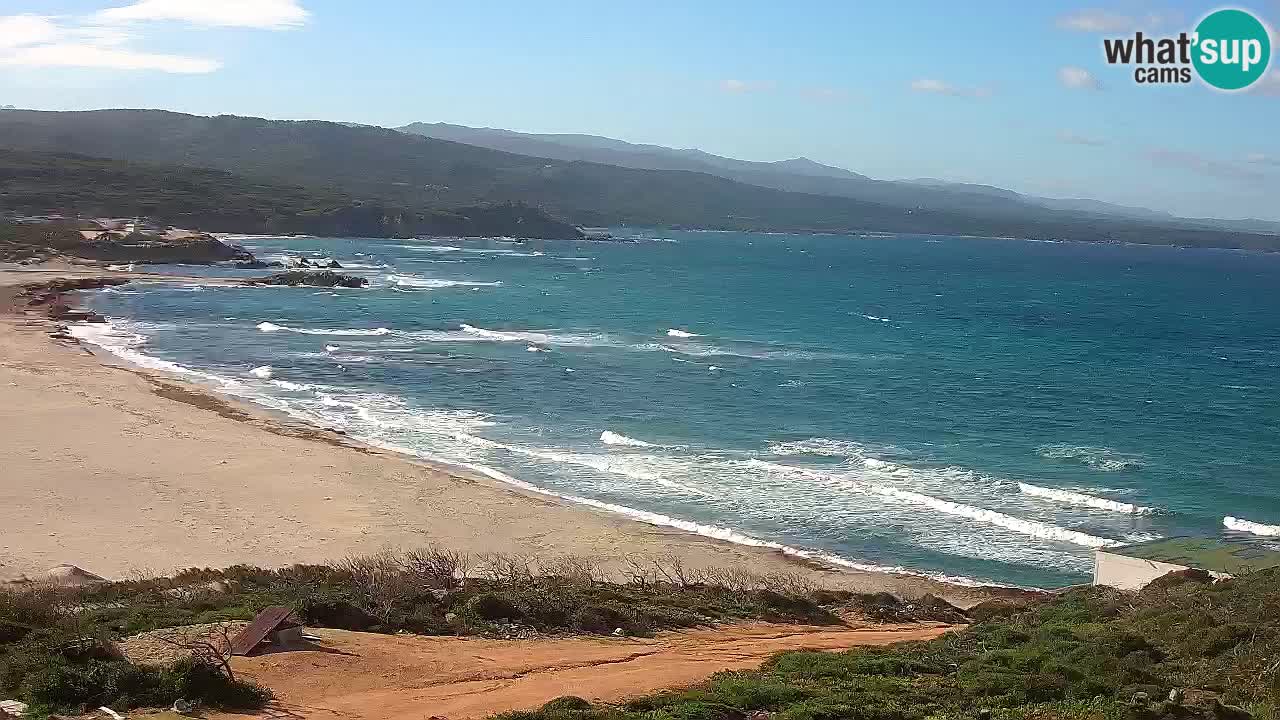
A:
(39, 183)
(805, 175)
(402, 170)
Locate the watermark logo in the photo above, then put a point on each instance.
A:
(1229, 50)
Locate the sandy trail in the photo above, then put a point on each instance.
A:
(359, 675)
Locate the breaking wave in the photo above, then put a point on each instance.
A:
(1104, 459)
(262, 371)
(825, 447)
(1232, 523)
(1031, 528)
(1075, 498)
(677, 333)
(268, 327)
(411, 281)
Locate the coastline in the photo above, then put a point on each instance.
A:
(127, 471)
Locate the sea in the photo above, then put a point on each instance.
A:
(982, 411)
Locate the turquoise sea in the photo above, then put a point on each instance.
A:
(986, 410)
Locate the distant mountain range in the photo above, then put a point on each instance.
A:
(805, 175)
(358, 179)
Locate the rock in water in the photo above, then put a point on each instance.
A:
(323, 278)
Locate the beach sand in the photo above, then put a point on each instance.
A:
(125, 472)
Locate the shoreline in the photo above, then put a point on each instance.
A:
(497, 513)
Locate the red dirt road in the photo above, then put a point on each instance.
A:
(359, 675)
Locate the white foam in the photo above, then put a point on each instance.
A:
(826, 447)
(331, 348)
(609, 437)
(1232, 523)
(268, 327)
(113, 338)
(262, 371)
(535, 349)
(436, 283)
(676, 333)
(1075, 498)
(876, 319)
(1098, 458)
(716, 532)
(1031, 528)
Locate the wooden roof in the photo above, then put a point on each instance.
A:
(268, 621)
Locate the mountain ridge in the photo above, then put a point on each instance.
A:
(389, 168)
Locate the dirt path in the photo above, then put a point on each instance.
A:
(358, 675)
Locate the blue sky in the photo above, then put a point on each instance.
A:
(1012, 94)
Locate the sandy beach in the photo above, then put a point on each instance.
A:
(125, 472)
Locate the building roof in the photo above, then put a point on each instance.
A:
(268, 621)
(1224, 556)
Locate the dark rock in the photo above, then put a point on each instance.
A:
(335, 265)
(1181, 577)
(323, 278)
(1222, 711)
(256, 264)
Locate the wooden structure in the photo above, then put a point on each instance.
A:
(276, 625)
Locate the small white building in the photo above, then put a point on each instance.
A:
(1132, 567)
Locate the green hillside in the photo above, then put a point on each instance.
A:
(401, 170)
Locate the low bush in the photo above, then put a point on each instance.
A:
(1088, 654)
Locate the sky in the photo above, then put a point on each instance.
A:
(999, 92)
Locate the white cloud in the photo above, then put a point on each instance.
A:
(938, 87)
(267, 14)
(1202, 165)
(106, 39)
(1077, 78)
(1072, 138)
(1102, 21)
(87, 55)
(22, 30)
(743, 86)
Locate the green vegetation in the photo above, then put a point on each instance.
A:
(42, 183)
(53, 659)
(424, 177)
(1183, 648)
(56, 649)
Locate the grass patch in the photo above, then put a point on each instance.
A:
(57, 652)
(1088, 654)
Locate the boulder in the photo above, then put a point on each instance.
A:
(322, 278)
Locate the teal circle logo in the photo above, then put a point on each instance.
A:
(1232, 49)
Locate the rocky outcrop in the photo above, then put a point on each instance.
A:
(322, 278)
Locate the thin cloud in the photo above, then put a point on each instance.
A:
(938, 87)
(22, 30)
(1262, 159)
(262, 14)
(743, 86)
(1103, 21)
(85, 55)
(1077, 78)
(1202, 165)
(109, 39)
(1268, 84)
(1071, 138)
(826, 93)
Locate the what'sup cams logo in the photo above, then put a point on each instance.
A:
(1229, 50)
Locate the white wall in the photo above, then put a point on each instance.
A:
(1128, 573)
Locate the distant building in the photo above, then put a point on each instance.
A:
(1132, 567)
